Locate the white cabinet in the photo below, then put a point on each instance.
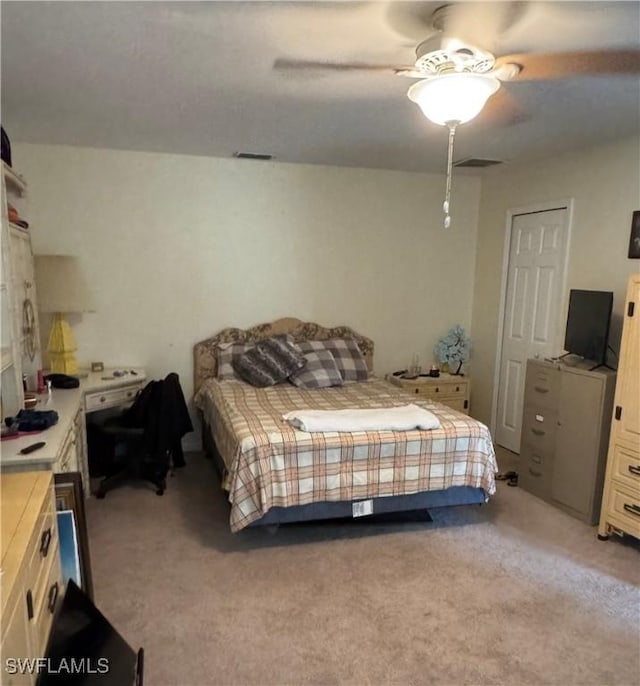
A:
(621, 501)
(12, 192)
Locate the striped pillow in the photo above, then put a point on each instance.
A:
(321, 371)
(228, 353)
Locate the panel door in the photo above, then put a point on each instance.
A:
(535, 282)
(627, 428)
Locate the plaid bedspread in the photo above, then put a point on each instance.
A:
(269, 463)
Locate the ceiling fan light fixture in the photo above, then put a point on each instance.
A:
(453, 98)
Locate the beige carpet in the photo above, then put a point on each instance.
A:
(512, 592)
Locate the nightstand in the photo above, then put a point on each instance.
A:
(454, 391)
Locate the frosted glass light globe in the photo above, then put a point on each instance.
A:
(453, 98)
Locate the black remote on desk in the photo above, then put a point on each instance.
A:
(32, 447)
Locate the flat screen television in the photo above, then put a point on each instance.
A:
(84, 649)
(587, 333)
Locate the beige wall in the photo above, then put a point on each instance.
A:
(178, 247)
(604, 183)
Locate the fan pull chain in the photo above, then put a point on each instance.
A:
(447, 195)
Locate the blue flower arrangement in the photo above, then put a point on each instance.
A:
(453, 349)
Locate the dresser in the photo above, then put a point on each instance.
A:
(621, 498)
(565, 433)
(31, 579)
(454, 391)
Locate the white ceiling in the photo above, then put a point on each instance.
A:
(198, 78)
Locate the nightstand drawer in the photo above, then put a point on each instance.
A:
(447, 389)
(111, 398)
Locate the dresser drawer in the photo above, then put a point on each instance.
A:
(626, 467)
(624, 509)
(111, 398)
(542, 386)
(42, 549)
(539, 429)
(49, 602)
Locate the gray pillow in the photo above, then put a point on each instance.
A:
(320, 371)
(269, 362)
(349, 359)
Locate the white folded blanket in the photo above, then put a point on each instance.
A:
(402, 418)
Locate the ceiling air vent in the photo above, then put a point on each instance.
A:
(252, 156)
(476, 162)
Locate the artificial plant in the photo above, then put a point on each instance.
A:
(453, 349)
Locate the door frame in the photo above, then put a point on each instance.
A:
(565, 203)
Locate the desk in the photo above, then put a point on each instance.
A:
(65, 448)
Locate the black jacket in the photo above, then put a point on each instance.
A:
(161, 410)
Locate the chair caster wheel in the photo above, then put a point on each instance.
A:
(603, 538)
(160, 491)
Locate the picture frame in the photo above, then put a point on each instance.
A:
(634, 239)
(74, 539)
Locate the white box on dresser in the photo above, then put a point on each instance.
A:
(621, 498)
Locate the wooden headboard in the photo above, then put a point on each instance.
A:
(205, 361)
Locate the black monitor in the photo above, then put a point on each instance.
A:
(85, 650)
(588, 321)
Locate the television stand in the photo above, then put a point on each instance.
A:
(603, 364)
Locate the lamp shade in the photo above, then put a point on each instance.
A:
(453, 98)
(61, 285)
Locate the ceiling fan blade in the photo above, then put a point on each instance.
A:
(284, 64)
(479, 23)
(542, 66)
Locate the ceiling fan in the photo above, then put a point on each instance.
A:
(457, 74)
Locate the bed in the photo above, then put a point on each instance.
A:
(274, 473)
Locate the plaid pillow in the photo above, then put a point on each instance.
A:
(269, 362)
(228, 353)
(346, 353)
(320, 371)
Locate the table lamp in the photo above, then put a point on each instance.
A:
(61, 289)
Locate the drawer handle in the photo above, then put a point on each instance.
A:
(417, 390)
(129, 394)
(537, 459)
(437, 389)
(103, 399)
(29, 605)
(633, 509)
(533, 472)
(53, 597)
(540, 389)
(634, 469)
(457, 389)
(45, 542)
(538, 432)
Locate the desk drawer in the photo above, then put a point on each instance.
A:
(111, 398)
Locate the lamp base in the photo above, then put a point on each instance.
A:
(62, 347)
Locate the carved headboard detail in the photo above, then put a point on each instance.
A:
(205, 361)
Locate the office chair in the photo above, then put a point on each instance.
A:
(149, 434)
